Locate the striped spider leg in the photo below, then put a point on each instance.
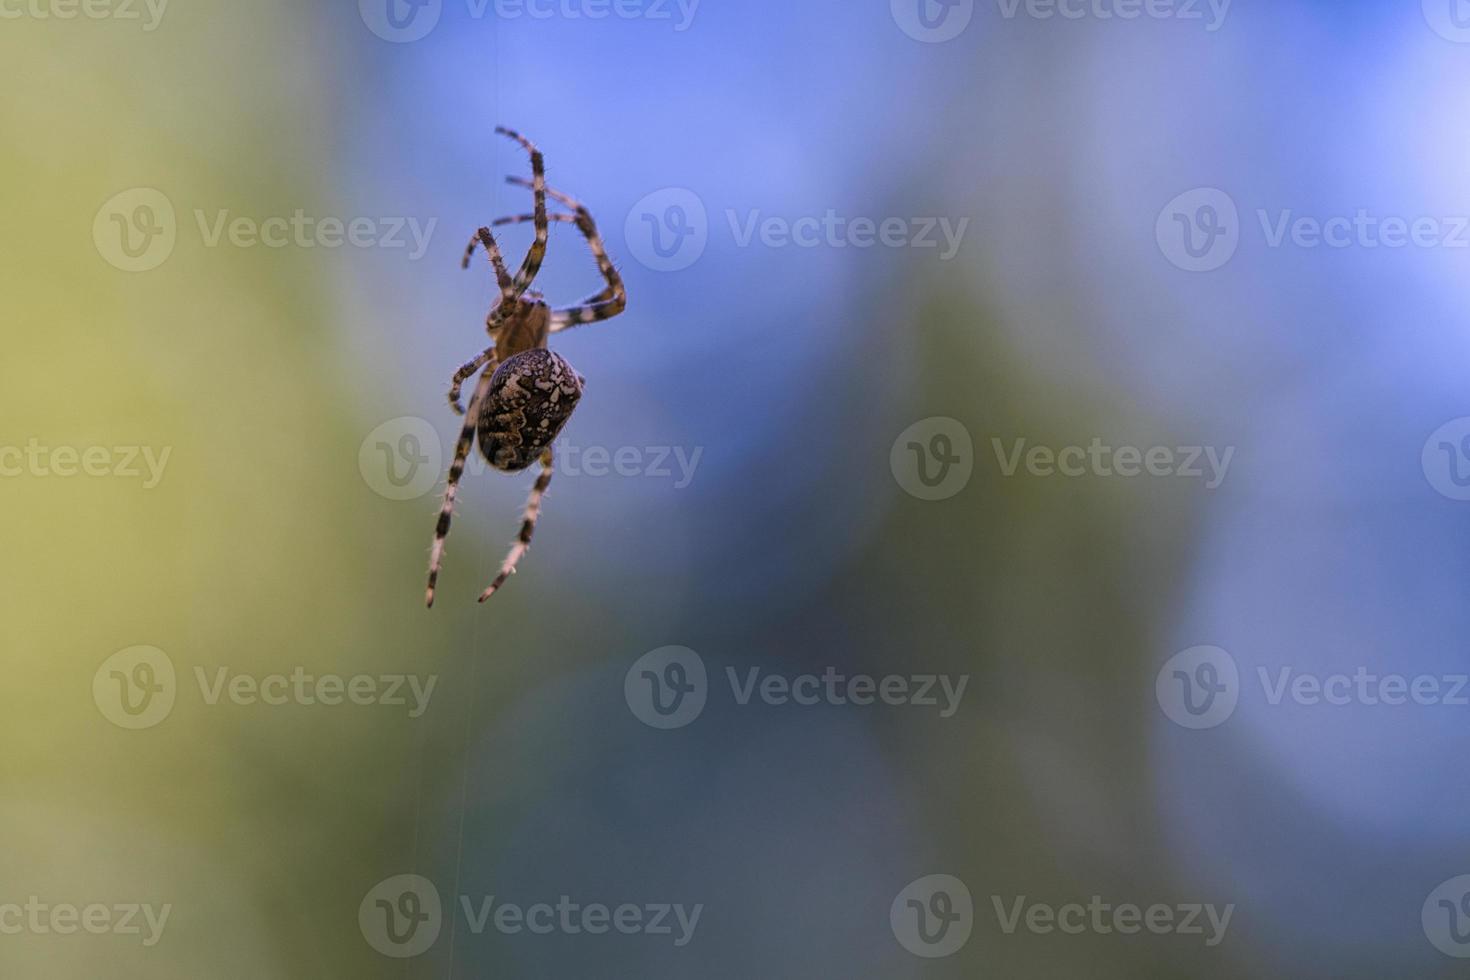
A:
(601, 306)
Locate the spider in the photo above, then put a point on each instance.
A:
(525, 392)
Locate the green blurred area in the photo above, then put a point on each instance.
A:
(247, 554)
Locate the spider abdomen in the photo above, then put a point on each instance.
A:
(530, 399)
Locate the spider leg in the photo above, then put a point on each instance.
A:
(508, 290)
(604, 305)
(537, 253)
(465, 372)
(456, 470)
(520, 219)
(517, 219)
(582, 215)
(601, 306)
(528, 527)
(552, 193)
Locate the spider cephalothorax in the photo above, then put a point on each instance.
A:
(525, 392)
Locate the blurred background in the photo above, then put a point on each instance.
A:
(1088, 378)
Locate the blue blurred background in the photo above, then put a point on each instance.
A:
(871, 249)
